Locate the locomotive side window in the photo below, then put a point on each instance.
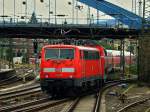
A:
(96, 55)
(52, 53)
(91, 55)
(85, 55)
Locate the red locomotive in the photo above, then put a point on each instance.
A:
(70, 67)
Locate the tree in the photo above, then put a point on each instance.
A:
(33, 19)
(105, 45)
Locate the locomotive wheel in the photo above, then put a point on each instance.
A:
(57, 92)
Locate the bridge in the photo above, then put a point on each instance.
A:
(129, 27)
(63, 31)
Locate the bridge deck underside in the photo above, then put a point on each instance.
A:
(67, 32)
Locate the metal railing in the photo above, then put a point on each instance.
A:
(45, 22)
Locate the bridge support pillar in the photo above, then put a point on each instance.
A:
(144, 58)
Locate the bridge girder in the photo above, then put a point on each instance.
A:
(126, 17)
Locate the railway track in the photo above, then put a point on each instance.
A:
(9, 81)
(134, 104)
(19, 90)
(14, 80)
(9, 78)
(93, 101)
(81, 104)
(46, 103)
(21, 93)
(33, 105)
(86, 104)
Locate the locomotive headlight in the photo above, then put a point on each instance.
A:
(46, 75)
(71, 76)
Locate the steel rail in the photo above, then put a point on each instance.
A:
(9, 78)
(41, 105)
(32, 91)
(133, 104)
(18, 91)
(73, 105)
(10, 81)
(14, 107)
(107, 86)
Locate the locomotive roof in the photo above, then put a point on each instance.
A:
(71, 46)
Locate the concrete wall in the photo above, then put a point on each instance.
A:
(144, 58)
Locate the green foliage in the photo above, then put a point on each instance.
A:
(105, 45)
(133, 69)
(130, 49)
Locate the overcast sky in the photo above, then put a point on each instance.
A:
(62, 7)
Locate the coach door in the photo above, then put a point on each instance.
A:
(83, 72)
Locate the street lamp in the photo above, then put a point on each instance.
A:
(3, 10)
(34, 5)
(55, 12)
(135, 6)
(69, 3)
(49, 11)
(76, 12)
(132, 5)
(14, 9)
(25, 3)
(88, 15)
(97, 12)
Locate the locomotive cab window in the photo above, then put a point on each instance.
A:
(54, 53)
(51, 53)
(66, 54)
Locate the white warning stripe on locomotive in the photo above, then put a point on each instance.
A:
(68, 70)
(49, 69)
(60, 70)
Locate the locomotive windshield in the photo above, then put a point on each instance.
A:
(54, 53)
